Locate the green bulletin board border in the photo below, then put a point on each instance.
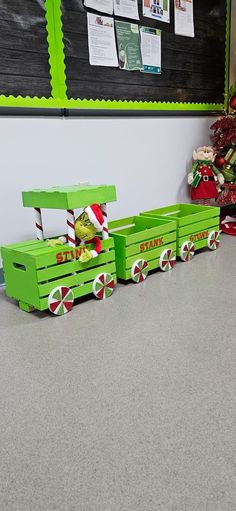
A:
(59, 97)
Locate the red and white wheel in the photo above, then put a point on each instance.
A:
(167, 259)
(187, 251)
(139, 271)
(103, 286)
(60, 300)
(214, 240)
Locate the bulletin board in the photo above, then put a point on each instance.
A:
(44, 61)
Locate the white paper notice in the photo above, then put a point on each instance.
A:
(151, 50)
(184, 24)
(100, 5)
(126, 9)
(157, 10)
(101, 40)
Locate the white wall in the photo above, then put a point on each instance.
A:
(146, 158)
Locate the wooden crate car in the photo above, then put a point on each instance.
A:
(143, 244)
(41, 277)
(197, 227)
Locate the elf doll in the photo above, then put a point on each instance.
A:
(204, 176)
(87, 225)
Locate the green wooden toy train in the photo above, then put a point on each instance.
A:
(43, 277)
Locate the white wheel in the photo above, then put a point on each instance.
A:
(60, 300)
(214, 240)
(187, 251)
(103, 286)
(167, 259)
(139, 271)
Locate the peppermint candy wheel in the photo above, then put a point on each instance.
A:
(214, 240)
(187, 251)
(60, 300)
(139, 271)
(103, 286)
(167, 259)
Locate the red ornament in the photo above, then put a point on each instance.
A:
(233, 102)
(219, 161)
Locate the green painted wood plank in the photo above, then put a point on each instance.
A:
(29, 249)
(152, 265)
(144, 222)
(149, 256)
(184, 214)
(199, 226)
(197, 244)
(147, 234)
(74, 266)
(78, 292)
(122, 222)
(69, 197)
(120, 254)
(23, 246)
(48, 257)
(137, 247)
(158, 212)
(20, 277)
(198, 217)
(78, 278)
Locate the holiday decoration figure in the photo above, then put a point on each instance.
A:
(204, 176)
(86, 226)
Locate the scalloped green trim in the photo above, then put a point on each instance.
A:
(90, 104)
(56, 48)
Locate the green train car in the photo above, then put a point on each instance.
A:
(197, 227)
(42, 277)
(143, 244)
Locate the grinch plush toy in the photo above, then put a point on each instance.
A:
(87, 225)
(204, 175)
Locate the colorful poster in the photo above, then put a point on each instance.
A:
(128, 41)
(184, 23)
(101, 41)
(157, 9)
(126, 9)
(100, 5)
(151, 50)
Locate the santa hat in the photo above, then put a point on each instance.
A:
(95, 215)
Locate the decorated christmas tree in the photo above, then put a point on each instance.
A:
(224, 142)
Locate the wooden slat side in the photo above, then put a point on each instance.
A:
(208, 212)
(198, 226)
(48, 257)
(149, 256)
(20, 276)
(119, 254)
(147, 234)
(138, 248)
(159, 212)
(122, 222)
(78, 292)
(24, 246)
(201, 243)
(152, 265)
(69, 267)
(78, 278)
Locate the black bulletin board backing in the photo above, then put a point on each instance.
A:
(193, 69)
(24, 66)
(44, 63)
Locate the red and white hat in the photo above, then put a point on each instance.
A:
(95, 215)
